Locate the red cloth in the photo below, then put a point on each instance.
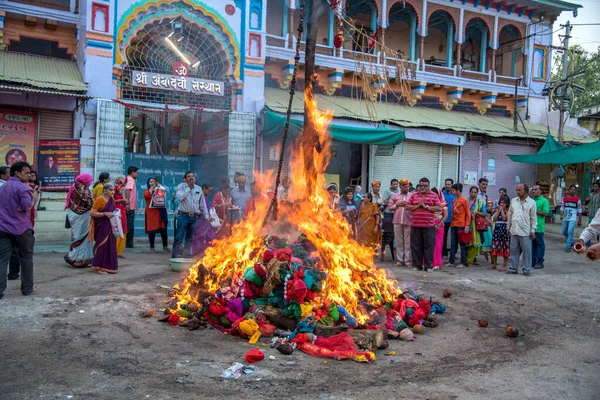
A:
(217, 307)
(296, 290)
(417, 317)
(425, 305)
(268, 256)
(254, 355)
(260, 270)
(173, 319)
(284, 254)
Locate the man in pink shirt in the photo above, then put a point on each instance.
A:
(423, 204)
(130, 203)
(402, 220)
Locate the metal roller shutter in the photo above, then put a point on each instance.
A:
(55, 124)
(449, 163)
(418, 160)
(506, 170)
(110, 137)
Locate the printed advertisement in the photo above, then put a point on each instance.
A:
(17, 136)
(59, 163)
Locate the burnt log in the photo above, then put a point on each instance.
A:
(274, 315)
(364, 339)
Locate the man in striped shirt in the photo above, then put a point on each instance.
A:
(423, 204)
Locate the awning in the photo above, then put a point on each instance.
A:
(274, 124)
(410, 117)
(567, 155)
(53, 75)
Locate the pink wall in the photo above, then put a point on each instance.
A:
(505, 169)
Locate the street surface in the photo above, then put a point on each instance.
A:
(81, 336)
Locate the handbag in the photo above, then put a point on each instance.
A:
(216, 221)
(481, 223)
(465, 237)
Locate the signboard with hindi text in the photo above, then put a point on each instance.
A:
(177, 83)
(58, 163)
(17, 136)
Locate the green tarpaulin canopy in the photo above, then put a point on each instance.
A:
(555, 153)
(274, 124)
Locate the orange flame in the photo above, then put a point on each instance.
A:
(352, 275)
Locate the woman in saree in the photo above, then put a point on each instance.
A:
(121, 206)
(105, 250)
(156, 219)
(439, 219)
(477, 208)
(369, 223)
(78, 205)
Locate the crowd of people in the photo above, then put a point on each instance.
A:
(426, 227)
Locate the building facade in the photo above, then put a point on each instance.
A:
(171, 86)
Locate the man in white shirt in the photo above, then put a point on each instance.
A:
(240, 194)
(522, 222)
(590, 232)
(4, 175)
(191, 207)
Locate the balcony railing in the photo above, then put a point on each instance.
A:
(380, 60)
(61, 5)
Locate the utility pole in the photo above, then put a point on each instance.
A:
(563, 89)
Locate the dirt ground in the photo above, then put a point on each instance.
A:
(81, 337)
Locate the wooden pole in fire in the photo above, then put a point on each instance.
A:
(314, 10)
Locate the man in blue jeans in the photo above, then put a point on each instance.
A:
(191, 207)
(570, 214)
(542, 210)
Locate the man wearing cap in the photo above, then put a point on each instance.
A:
(402, 220)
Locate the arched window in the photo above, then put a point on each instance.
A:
(99, 17)
(256, 15)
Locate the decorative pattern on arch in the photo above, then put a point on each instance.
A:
(377, 5)
(470, 15)
(453, 12)
(142, 13)
(502, 23)
(416, 4)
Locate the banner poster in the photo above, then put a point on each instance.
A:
(17, 136)
(59, 163)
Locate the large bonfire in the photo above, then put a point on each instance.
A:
(301, 271)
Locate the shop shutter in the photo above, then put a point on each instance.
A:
(55, 124)
(418, 160)
(242, 143)
(506, 170)
(449, 163)
(110, 138)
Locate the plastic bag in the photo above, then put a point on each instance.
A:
(216, 221)
(159, 198)
(115, 223)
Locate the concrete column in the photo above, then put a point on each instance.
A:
(483, 50)
(331, 26)
(421, 47)
(284, 27)
(374, 18)
(449, 41)
(413, 37)
(423, 21)
(513, 61)
(493, 66)
(364, 168)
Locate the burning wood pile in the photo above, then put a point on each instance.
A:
(302, 277)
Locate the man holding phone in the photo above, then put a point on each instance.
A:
(191, 207)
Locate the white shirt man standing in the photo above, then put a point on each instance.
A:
(4, 175)
(241, 194)
(191, 207)
(522, 223)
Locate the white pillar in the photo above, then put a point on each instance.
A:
(495, 41)
(383, 23)
(459, 31)
(424, 20)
